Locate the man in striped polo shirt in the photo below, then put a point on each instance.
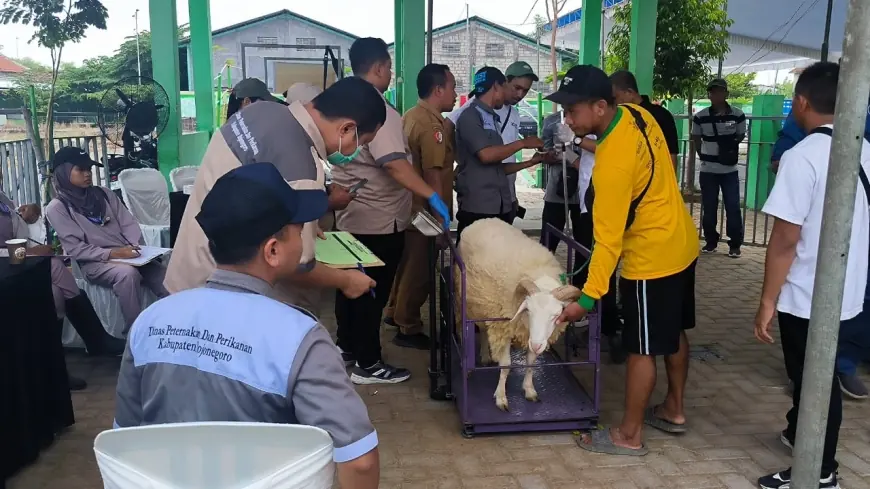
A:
(717, 132)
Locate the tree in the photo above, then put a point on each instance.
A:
(540, 22)
(553, 9)
(741, 86)
(56, 22)
(689, 35)
(566, 65)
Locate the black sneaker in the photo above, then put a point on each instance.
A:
(418, 341)
(734, 252)
(782, 480)
(390, 322)
(852, 386)
(710, 248)
(77, 384)
(379, 373)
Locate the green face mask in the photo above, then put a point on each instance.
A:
(339, 159)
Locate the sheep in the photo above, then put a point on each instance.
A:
(507, 275)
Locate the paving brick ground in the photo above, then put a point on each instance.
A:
(735, 404)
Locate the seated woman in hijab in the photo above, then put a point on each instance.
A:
(69, 300)
(248, 91)
(94, 227)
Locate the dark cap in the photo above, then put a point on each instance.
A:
(717, 83)
(583, 83)
(74, 155)
(485, 78)
(254, 88)
(519, 69)
(253, 202)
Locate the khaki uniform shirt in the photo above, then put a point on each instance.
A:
(431, 147)
(261, 132)
(383, 205)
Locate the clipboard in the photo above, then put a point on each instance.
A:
(341, 250)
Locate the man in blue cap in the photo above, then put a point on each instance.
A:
(243, 355)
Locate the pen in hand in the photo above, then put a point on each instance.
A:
(363, 270)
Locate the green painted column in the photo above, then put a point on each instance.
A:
(677, 107)
(200, 55)
(410, 18)
(164, 50)
(642, 48)
(590, 33)
(762, 136)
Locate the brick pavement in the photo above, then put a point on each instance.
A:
(735, 406)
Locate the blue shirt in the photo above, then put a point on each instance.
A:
(791, 134)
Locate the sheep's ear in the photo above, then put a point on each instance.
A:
(567, 293)
(523, 307)
(528, 285)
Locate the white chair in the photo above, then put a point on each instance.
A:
(215, 456)
(107, 307)
(181, 176)
(147, 197)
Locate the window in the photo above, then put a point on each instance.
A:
(494, 50)
(305, 41)
(267, 40)
(451, 48)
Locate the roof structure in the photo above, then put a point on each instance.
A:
(500, 29)
(10, 67)
(275, 15)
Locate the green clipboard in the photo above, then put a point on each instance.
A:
(341, 250)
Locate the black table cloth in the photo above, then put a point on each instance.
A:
(35, 403)
(177, 203)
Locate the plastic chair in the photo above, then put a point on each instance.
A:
(216, 456)
(107, 307)
(181, 176)
(146, 195)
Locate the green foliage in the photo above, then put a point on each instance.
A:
(689, 35)
(566, 65)
(741, 86)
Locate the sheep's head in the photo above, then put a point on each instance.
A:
(544, 308)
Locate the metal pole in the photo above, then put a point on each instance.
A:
(431, 10)
(470, 54)
(722, 58)
(138, 53)
(601, 45)
(840, 190)
(825, 41)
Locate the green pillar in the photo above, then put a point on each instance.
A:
(164, 47)
(642, 48)
(410, 18)
(590, 33)
(677, 107)
(200, 56)
(763, 133)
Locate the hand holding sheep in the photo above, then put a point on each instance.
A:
(572, 312)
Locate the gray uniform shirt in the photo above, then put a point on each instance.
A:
(229, 352)
(480, 188)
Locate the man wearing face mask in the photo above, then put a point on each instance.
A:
(295, 139)
(377, 217)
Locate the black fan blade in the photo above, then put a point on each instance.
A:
(123, 98)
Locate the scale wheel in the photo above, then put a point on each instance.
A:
(467, 432)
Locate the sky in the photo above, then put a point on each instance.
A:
(360, 17)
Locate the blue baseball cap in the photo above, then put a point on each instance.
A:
(253, 202)
(485, 78)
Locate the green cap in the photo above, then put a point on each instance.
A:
(254, 88)
(521, 68)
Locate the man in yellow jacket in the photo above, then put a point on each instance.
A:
(639, 216)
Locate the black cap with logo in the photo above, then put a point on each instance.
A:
(583, 83)
(71, 154)
(254, 88)
(253, 202)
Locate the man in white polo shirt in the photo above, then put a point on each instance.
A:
(796, 203)
(520, 77)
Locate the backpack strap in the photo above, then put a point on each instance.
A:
(861, 174)
(506, 119)
(642, 126)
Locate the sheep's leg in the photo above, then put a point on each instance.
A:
(485, 353)
(528, 384)
(504, 360)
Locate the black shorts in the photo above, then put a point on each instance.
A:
(657, 311)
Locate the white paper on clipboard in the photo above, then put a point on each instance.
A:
(147, 254)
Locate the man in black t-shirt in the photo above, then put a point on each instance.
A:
(625, 92)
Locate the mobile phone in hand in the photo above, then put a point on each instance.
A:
(358, 185)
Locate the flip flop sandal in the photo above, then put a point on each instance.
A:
(600, 441)
(650, 418)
